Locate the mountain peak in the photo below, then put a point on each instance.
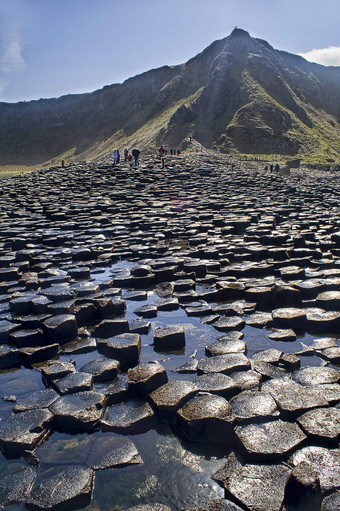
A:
(239, 32)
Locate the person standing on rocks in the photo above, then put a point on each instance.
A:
(135, 154)
(118, 157)
(115, 156)
(161, 151)
(126, 155)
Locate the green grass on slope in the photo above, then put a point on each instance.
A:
(318, 143)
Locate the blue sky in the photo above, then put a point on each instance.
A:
(53, 47)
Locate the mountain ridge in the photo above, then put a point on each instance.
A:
(239, 94)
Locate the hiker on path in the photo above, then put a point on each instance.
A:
(118, 156)
(135, 153)
(161, 151)
(126, 155)
(115, 156)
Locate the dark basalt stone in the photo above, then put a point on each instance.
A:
(171, 338)
(268, 370)
(232, 464)
(202, 310)
(115, 392)
(36, 400)
(247, 380)
(252, 405)
(29, 356)
(222, 347)
(206, 418)
(59, 293)
(273, 440)
(292, 397)
(142, 270)
(167, 304)
(324, 343)
(9, 357)
(271, 356)
(15, 486)
(331, 354)
(290, 317)
(75, 486)
(215, 505)
(147, 507)
(124, 347)
(217, 383)
(229, 323)
(24, 431)
(6, 327)
(260, 320)
(283, 335)
(139, 327)
(114, 452)
(290, 361)
(102, 369)
(303, 488)
(61, 328)
(27, 338)
(224, 363)
(321, 423)
(261, 295)
(74, 382)
(187, 368)
(80, 345)
(331, 503)
(322, 321)
(79, 411)
(135, 295)
(316, 375)
(146, 311)
(329, 300)
(110, 327)
(85, 314)
(145, 378)
(170, 397)
(259, 487)
(55, 370)
(128, 418)
(325, 462)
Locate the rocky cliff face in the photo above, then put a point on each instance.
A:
(238, 94)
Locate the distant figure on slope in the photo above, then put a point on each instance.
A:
(271, 167)
(161, 151)
(277, 167)
(115, 156)
(135, 154)
(118, 156)
(126, 155)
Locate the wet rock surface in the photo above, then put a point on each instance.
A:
(273, 439)
(196, 304)
(74, 486)
(259, 487)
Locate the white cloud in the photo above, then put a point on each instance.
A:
(12, 61)
(326, 56)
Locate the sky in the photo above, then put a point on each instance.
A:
(49, 48)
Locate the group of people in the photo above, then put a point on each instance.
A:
(272, 167)
(163, 152)
(127, 156)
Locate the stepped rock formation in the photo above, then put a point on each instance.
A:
(239, 94)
